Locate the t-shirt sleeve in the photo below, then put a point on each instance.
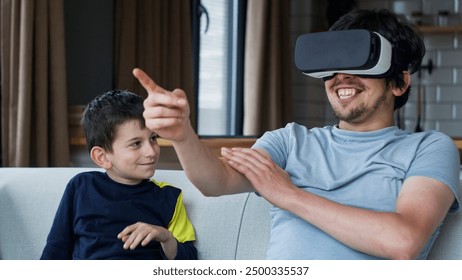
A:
(60, 240)
(276, 144)
(183, 230)
(438, 158)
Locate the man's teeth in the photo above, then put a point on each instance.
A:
(344, 93)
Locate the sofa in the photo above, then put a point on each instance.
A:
(227, 227)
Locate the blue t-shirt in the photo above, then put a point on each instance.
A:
(360, 169)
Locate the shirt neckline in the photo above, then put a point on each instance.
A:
(362, 136)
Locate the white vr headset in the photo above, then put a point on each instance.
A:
(357, 51)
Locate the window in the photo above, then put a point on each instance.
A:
(220, 59)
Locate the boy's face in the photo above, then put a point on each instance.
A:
(135, 154)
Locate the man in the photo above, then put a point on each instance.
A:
(362, 189)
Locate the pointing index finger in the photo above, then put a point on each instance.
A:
(147, 82)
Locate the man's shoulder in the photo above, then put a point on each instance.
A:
(434, 138)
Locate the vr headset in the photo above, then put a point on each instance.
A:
(356, 51)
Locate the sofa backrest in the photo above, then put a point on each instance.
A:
(448, 245)
(227, 227)
(29, 198)
(224, 229)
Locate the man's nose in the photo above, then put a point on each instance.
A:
(343, 76)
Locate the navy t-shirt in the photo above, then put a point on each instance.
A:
(94, 209)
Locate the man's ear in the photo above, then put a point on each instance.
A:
(99, 156)
(407, 82)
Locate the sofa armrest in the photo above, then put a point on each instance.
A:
(448, 245)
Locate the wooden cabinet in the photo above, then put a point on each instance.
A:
(440, 29)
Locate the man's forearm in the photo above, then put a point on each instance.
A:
(209, 173)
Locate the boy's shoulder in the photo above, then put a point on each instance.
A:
(83, 181)
(165, 186)
(86, 175)
(162, 184)
(88, 178)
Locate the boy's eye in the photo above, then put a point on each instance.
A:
(136, 144)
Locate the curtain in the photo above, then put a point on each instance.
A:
(33, 84)
(157, 37)
(267, 90)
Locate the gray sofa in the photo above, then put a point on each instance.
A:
(227, 227)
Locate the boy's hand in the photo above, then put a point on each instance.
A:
(165, 112)
(143, 233)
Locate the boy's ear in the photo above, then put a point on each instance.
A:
(99, 156)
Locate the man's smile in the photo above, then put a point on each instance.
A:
(345, 93)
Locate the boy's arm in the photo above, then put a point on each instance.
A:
(186, 251)
(142, 233)
(183, 230)
(167, 114)
(176, 240)
(60, 240)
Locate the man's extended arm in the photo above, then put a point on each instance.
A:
(167, 114)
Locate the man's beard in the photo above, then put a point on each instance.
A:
(353, 115)
(359, 113)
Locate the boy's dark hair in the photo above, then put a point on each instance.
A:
(106, 112)
(408, 47)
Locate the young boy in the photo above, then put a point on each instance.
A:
(120, 213)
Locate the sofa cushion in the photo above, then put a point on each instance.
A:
(448, 245)
(255, 229)
(216, 220)
(227, 227)
(29, 198)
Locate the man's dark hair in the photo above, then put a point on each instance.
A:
(106, 112)
(408, 47)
